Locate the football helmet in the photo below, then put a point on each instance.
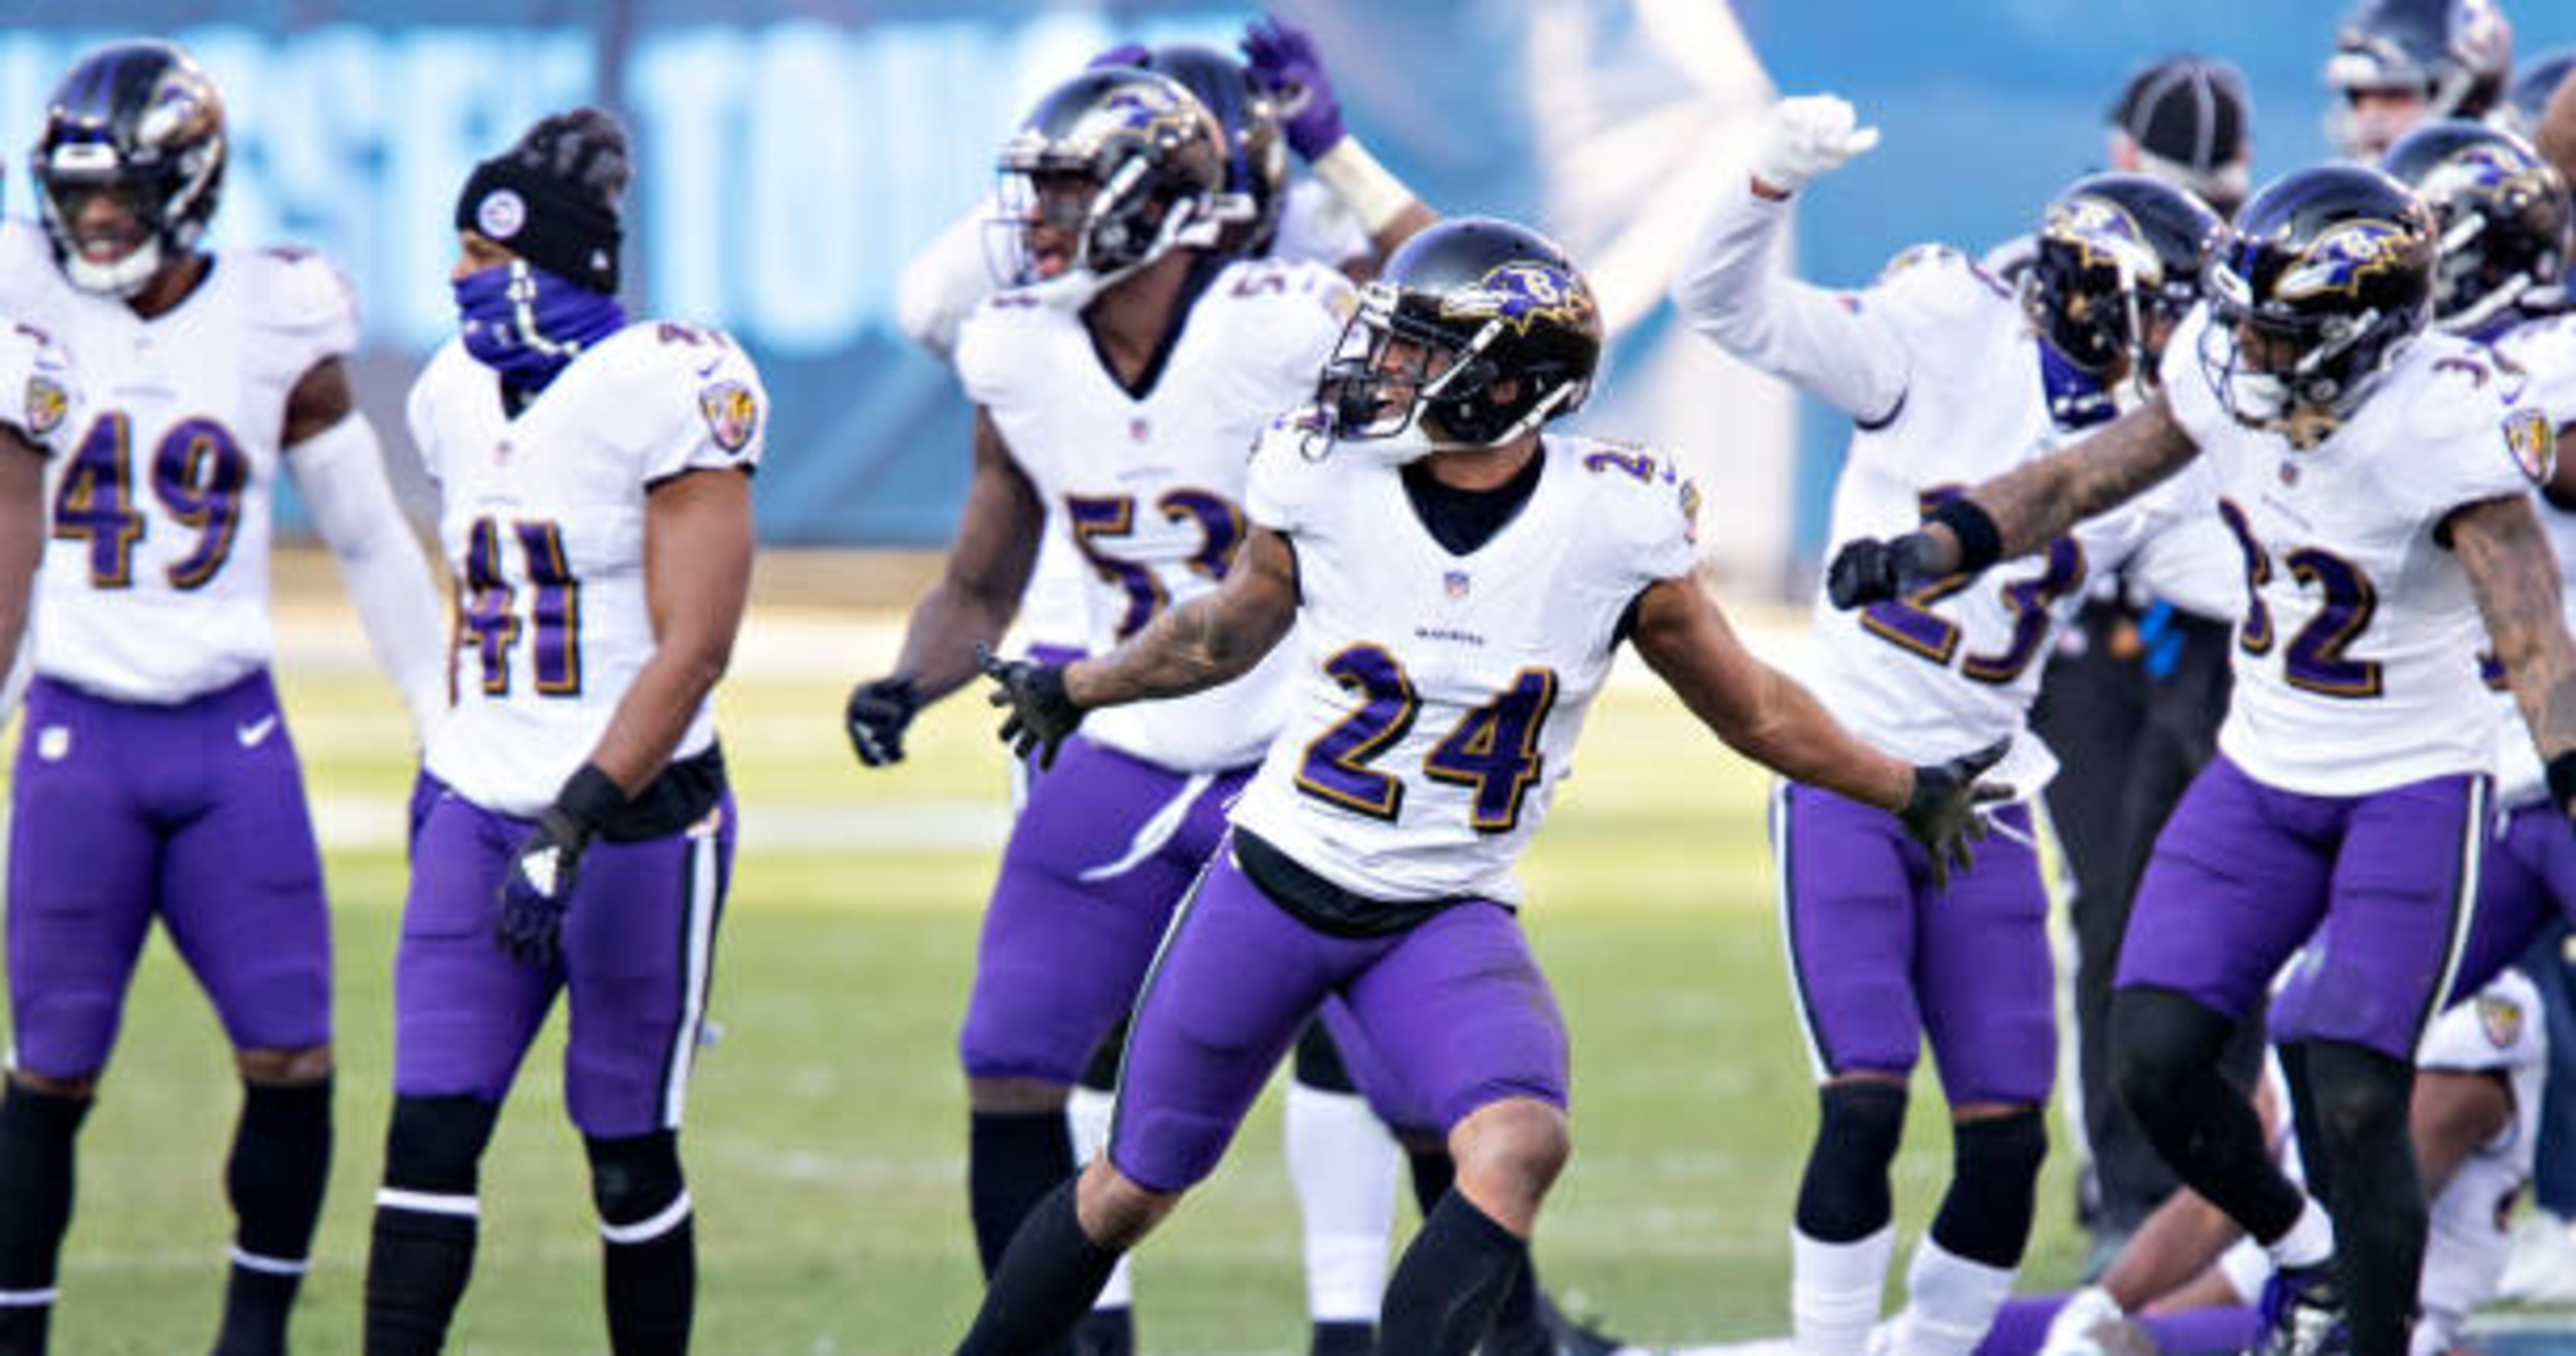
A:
(138, 119)
(2115, 255)
(2326, 274)
(2456, 54)
(2533, 82)
(1476, 333)
(1116, 168)
(1256, 180)
(2501, 210)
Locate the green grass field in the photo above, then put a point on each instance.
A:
(826, 1129)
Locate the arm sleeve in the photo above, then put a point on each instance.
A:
(1833, 345)
(720, 420)
(341, 473)
(943, 283)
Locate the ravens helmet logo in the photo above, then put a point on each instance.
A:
(2341, 259)
(2104, 235)
(1520, 294)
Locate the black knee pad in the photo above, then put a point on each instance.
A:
(635, 1178)
(435, 1144)
(2158, 1039)
(1844, 1197)
(1993, 1183)
(1319, 1062)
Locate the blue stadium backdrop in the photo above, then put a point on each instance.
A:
(794, 153)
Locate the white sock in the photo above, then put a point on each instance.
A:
(1087, 1112)
(1950, 1302)
(1834, 1291)
(2310, 1242)
(1343, 1163)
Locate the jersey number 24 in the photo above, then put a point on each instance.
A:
(1493, 750)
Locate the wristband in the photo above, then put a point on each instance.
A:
(1981, 543)
(2562, 779)
(589, 796)
(1373, 194)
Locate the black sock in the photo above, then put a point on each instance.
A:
(2165, 1052)
(422, 1251)
(1048, 1277)
(281, 1161)
(1342, 1337)
(2380, 1215)
(1106, 1332)
(1444, 1292)
(648, 1243)
(1994, 1186)
(1518, 1329)
(1433, 1173)
(1013, 1159)
(1843, 1196)
(37, 1130)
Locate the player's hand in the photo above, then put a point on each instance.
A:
(529, 922)
(1871, 570)
(1942, 813)
(1807, 138)
(879, 712)
(1041, 714)
(1284, 58)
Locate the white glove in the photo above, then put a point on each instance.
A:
(1807, 138)
(2071, 1331)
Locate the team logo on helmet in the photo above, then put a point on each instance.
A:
(1520, 294)
(2103, 234)
(2533, 440)
(2344, 257)
(2501, 1019)
(732, 414)
(47, 403)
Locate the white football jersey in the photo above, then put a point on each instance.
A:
(1956, 665)
(1149, 485)
(541, 520)
(2355, 659)
(1437, 698)
(2502, 1031)
(2546, 351)
(155, 583)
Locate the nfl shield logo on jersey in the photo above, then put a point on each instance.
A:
(732, 415)
(1454, 583)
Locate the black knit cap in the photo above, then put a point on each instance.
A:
(552, 198)
(2188, 110)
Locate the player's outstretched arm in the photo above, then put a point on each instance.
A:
(1768, 717)
(1211, 639)
(339, 466)
(2515, 576)
(2020, 511)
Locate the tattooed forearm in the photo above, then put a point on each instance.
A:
(2515, 576)
(2036, 503)
(1212, 639)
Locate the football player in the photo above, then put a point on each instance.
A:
(1459, 584)
(594, 480)
(1117, 384)
(1950, 379)
(1341, 1160)
(2375, 477)
(2503, 213)
(2190, 1279)
(42, 411)
(2397, 63)
(156, 778)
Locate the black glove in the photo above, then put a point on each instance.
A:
(879, 712)
(528, 917)
(1041, 715)
(1942, 815)
(1868, 570)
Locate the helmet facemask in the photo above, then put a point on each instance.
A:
(1415, 381)
(2299, 375)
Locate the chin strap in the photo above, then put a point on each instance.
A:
(121, 279)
